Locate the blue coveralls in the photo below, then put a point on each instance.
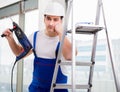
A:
(43, 73)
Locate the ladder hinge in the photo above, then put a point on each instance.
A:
(59, 61)
(93, 63)
(90, 85)
(54, 85)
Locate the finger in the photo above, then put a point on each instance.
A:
(7, 32)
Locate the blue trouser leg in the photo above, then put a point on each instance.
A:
(33, 88)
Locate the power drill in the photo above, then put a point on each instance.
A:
(23, 40)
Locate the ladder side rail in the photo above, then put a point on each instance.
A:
(58, 60)
(73, 81)
(117, 85)
(93, 61)
(94, 46)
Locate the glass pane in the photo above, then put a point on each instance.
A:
(85, 11)
(7, 58)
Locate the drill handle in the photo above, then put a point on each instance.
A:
(3, 35)
(15, 26)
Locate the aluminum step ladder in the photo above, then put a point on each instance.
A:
(79, 29)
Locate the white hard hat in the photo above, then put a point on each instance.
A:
(55, 9)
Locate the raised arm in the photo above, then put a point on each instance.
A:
(67, 46)
(16, 48)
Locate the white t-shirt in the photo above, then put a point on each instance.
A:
(46, 46)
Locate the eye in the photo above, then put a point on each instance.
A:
(48, 18)
(56, 19)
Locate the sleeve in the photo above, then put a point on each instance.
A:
(30, 38)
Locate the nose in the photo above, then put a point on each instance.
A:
(51, 22)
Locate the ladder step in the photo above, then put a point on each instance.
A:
(87, 28)
(69, 86)
(77, 63)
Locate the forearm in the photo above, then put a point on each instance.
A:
(67, 48)
(16, 49)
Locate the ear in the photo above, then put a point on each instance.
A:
(44, 19)
(61, 21)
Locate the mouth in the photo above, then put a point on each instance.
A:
(51, 29)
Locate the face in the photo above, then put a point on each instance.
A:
(51, 22)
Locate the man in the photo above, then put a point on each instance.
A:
(45, 45)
